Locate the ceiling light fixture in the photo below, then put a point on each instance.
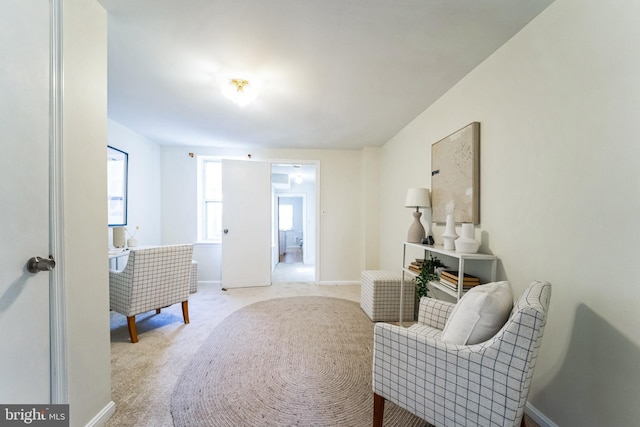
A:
(239, 91)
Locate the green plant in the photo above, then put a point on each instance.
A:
(427, 273)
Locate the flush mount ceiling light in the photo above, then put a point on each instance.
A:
(239, 91)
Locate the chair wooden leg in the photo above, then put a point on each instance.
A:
(185, 311)
(131, 323)
(157, 311)
(378, 410)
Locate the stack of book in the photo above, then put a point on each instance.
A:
(416, 266)
(450, 278)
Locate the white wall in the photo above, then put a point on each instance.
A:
(559, 107)
(85, 209)
(340, 228)
(370, 200)
(144, 190)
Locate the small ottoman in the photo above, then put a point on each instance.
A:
(380, 296)
(193, 279)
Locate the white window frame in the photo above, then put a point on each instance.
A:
(203, 201)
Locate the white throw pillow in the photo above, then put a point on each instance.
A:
(479, 314)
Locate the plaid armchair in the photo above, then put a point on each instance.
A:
(484, 384)
(153, 278)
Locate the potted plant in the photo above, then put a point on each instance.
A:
(428, 273)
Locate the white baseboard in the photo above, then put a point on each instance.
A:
(103, 416)
(325, 282)
(538, 416)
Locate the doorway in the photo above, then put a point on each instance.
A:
(294, 222)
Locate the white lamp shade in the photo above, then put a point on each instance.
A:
(418, 198)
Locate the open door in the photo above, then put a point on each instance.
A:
(246, 223)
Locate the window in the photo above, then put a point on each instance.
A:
(117, 161)
(209, 199)
(285, 216)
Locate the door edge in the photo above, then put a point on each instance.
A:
(57, 298)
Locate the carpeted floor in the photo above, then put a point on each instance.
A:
(298, 361)
(145, 374)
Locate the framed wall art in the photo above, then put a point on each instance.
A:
(117, 165)
(455, 176)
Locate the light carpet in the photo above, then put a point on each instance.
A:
(298, 361)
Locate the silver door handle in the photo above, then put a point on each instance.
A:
(36, 264)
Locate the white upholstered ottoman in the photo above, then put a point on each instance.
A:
(380, 296)
(193, 279)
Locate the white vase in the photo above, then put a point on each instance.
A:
(467, 231)
(449, 236)
(132, 242)
(466, 244)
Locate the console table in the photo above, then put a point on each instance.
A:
(451, 259)
(115, 254)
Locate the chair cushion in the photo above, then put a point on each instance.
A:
(479, 314)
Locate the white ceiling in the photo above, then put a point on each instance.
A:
(335, 74)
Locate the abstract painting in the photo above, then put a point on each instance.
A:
(455, 176)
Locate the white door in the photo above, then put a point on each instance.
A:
(246, 223)
(24, 195)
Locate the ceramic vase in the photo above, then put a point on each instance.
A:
(467, 231)
(449, 235)
(132, 242)
(466, 243)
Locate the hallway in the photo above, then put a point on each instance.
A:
(291, 269)
(292, 255)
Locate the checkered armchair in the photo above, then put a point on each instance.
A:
(152, 279)
(484, 384)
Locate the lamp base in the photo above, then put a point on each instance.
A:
(416, 231)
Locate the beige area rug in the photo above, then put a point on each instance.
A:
(298, 361)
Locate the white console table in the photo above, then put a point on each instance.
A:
(450, 258)
(115, 255)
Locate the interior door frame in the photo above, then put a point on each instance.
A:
(316, 232)
(57, 293)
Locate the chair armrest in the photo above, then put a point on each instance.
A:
(434, 312)
(404, 356)
(405, 360)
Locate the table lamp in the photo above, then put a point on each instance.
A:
(417, 198)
